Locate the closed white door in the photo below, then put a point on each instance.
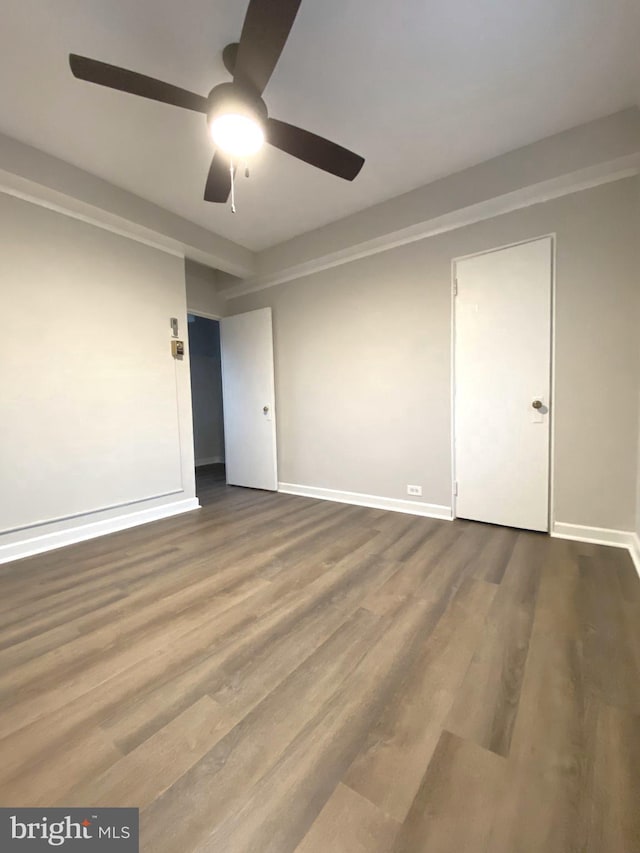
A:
(502, 382)
(246, 344)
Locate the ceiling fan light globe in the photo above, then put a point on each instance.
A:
(237, 135)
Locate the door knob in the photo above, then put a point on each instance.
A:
(537, 404)
(265, 409)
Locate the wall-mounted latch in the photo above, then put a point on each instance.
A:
(177, 349)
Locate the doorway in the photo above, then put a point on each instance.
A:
(233, 401)
(502, 385)
(207, 404)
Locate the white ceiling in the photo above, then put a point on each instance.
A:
(421, 89)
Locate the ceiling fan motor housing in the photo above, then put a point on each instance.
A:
(231, 98)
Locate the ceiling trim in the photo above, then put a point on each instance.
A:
(44, 178)
(593, 176)
(24, 190)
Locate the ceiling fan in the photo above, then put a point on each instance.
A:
(236, 113)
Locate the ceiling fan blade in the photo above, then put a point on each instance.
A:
(313, 149)
(135, 84)
(266, 28)
(218, 184)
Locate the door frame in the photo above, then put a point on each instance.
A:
(552, 358)
(205, 316)
(219, 317)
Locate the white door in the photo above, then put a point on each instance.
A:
(502, 377)
(246, 344)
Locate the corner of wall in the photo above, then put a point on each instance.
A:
(636, 545)
(202, 284)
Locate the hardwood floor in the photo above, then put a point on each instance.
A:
(274, 673)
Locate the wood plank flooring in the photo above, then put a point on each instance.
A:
(276, 674)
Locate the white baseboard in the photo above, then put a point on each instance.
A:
(596, 535)
(59, 538)
(209, 460)
(600, 536)
(373, 501)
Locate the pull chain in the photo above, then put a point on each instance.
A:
(233, 187)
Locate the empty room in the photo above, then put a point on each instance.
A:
(320, 426)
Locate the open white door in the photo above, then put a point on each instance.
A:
(502, 385)
(246, 344)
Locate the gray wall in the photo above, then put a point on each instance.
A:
(96, 414)
(637, 527)
(206, 390)
(363, 363)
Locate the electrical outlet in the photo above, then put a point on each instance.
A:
(414, 490)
